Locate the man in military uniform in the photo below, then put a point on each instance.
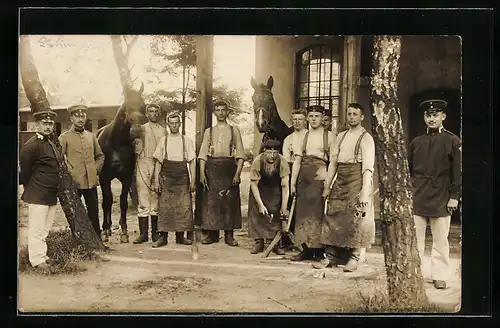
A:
(269, 191)
(434, 160)
(308, 175)
(145, 146)
(221, 161)
(40, 162)
(85, 160)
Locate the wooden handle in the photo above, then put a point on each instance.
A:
(290, 215)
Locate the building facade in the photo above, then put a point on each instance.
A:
(335, 70)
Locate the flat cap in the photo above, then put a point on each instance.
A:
(271, 144)
(433, 105)
(78, 110)
(316, 108)
(45, 116)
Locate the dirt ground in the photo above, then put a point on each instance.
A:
(138, 278)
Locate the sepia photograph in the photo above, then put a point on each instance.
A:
(169, 173)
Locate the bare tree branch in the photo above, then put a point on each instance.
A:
(130, 45)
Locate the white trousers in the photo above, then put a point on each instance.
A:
(148, 198)
(440, 254)
(40, 220)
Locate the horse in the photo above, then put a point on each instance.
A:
(267, 117)
(117, 143)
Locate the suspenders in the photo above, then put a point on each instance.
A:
(326, 149)
(210, 142)
(356, 148)
(184, 155)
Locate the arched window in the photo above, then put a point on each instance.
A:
(318, 79)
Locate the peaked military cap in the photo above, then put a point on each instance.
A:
(316, 108)
(78, 109)
(328, 112)
(271, 144)
(45, 116)
(433, 106)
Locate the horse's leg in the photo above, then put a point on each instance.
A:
(126, 183)
(107, 202)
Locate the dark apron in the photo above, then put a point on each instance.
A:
(221, 205)
(309, 205)
(260, 226)
(344, 225)
(175, 212)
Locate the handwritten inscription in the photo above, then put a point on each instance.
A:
(58, 42)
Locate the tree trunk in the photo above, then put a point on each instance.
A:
(204, 103)
(404, 277)
(121, 60)
(30, 79)
(184, 90)
(71, 203)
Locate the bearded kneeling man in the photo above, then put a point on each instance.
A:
(269, 193)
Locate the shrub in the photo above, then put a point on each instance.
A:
(377, 301)
(63, 250)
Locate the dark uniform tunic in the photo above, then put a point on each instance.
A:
(39, 160)
(435, 160)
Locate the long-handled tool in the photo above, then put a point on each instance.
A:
(194, 245)
(284, 230)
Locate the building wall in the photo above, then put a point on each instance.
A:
(275, 56)
(94, 114)
(426, 62)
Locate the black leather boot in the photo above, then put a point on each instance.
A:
(229, 238)
(180, 239)
(162, 240)
(258, 247)
(278, 250)
(143, 231)
(305, 254)
(154, 228)
(212, 237)
(189, 235)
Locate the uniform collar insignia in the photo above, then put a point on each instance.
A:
(41, 136)
(431, 130)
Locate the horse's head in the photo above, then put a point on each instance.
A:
(263, 104)
(135, 108)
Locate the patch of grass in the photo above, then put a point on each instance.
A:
(378, 301)
(63, 250)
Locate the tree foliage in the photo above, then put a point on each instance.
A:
(178, 59)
